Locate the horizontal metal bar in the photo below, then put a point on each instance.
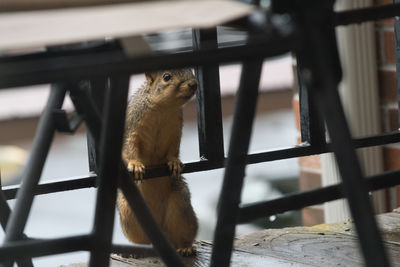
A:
(89, 65)
(308, 150)
(366, 14)
(249, 212)
(276, 154)
(65, 51)
(204, 165)
(14, 250)
(95, 47)
(78, 64)
(377, 140)
(55, 186)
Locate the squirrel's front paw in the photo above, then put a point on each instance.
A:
(175, 166)
(137, 168)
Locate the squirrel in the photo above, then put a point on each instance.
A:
(153, 131)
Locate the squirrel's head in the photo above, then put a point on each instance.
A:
(171, 87)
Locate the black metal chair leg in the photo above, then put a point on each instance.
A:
(234, 173)
(34, 166)
(109, 162)
(321, 72)
(354, 184)
(209, 115)
(5, 212)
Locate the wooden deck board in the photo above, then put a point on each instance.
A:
(320, 245)
(239, 258)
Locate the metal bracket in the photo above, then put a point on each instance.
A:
(65, 124)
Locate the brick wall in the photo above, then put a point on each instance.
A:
(309, 176)
(310, 167)
(388, 93)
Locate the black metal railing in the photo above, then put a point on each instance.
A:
(97, 78)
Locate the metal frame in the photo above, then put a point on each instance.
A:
(97, 78)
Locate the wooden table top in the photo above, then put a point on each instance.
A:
(40, 28)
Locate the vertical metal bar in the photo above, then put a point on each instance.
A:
(110, 157)
(321, 76)
(209, 115)
(90, 95)
(5, 210)
(229, 199)
(394, 197)
(311, 127)
(34, 166)
(96, 89)
(397, 47)
(92, 152)
(85, 106)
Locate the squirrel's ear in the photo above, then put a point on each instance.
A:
(150, 77)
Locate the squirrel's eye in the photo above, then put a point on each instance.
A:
(167, 77)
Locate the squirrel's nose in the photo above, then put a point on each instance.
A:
(193, 85)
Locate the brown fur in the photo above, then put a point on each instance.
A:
(152, 137)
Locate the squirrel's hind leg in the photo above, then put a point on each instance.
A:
(190, 251)
(180, 223)
(130, 226)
